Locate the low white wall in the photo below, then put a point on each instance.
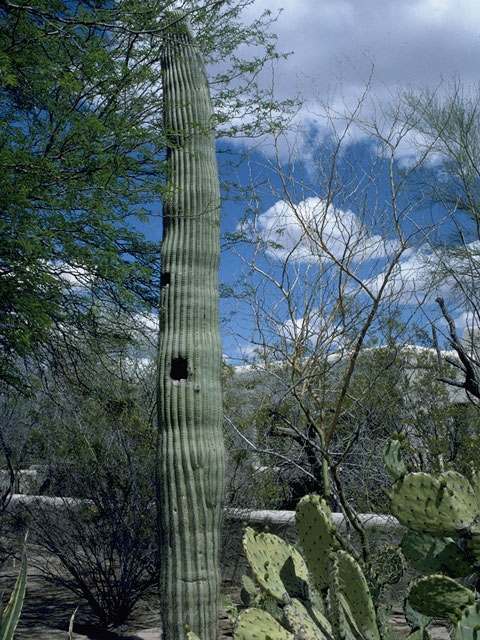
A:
(287, 518)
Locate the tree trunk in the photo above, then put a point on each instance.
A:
(191, 453)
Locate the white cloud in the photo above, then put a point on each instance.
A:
(413, 43)
(424, 275)
(311, 231)
(147, 322)
(76, 276)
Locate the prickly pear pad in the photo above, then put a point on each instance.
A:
(255, 624)
(430, 554)
(439, 596)
(473, 545)
(392, 458)
(475, 482)
(315, 535)
(468, 627)
(307, 626)
(439, 506)
(415, 619)
(276, 565)
(353, 585)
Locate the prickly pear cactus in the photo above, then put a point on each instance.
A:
(353, 586)
(442, 516)
(439, 596)
(190, 452)
(276, 565)
(316, 537)
(439, 506)
(392, 457)
(255, 624)
(321, 594)
(467, 626)
(429, 554)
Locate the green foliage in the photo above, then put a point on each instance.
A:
(82, 150)
(92, 439)
(11, 613)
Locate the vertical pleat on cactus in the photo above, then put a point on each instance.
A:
(190, 452)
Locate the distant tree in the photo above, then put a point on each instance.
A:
(446, 122)
(92, 439)
(330, 289)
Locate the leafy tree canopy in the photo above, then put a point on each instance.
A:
(81, 151)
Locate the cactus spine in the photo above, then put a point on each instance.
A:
(190, 453)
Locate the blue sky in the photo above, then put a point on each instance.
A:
(337, 48)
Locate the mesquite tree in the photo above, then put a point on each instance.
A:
(190, 452)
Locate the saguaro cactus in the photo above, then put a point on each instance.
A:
(190, 453)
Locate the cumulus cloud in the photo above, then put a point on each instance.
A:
(335, 45)
(414, 42)
(312, 231)
(424, 275)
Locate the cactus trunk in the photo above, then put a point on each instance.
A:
(190, 453)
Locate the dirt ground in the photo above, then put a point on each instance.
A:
(48, 608)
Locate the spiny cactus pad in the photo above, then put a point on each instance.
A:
(392, 458)
(430, 554)
(415, 619)
(255, 624)
(353, 586)
(468, 626)
(439, 596)
(276, 565)
(473, 544)
(316, 537)
(438, 506)
(307, 624)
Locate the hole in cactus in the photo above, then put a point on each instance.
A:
(165, 279)
(179, 370)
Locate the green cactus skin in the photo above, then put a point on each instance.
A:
(430, 554)
(438, 596)
(249, 590)
(353, 586)
(475, 482)
(468, 626)
(392, 458)
(307, 625)
(415, 620)
(276, 565)
(442, 506)
(472, 545)
(316, 537)
(340, 616)
(190, 463)
(255, 624)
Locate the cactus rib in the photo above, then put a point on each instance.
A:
(190, 459)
